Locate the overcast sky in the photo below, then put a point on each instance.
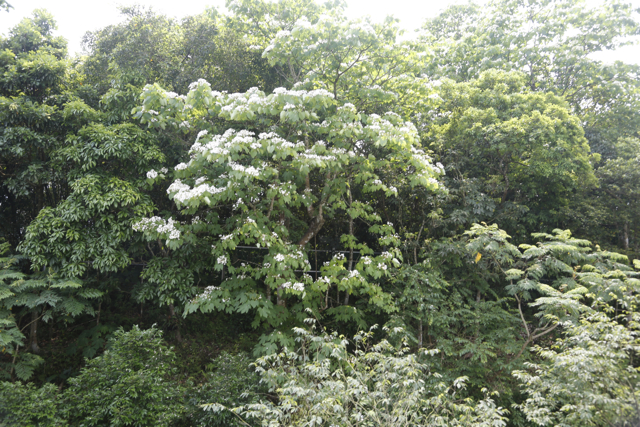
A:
(75, 17)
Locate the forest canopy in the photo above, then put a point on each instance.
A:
(282, 216)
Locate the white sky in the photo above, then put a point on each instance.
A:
(75, 17)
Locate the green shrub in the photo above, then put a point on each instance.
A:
(23, 405)
(128, 385)
(230, 382)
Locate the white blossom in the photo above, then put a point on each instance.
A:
(200, 82)
(152, 174)
(207, 292)
(297, 286)
(158, 225)
(201, 134)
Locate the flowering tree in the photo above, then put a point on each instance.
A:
(273, 191)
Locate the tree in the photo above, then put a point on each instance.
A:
(33, 92)
(551, 42)
(303, 159)
(513, 156)
(91, 228)
(608, 212)
(152, 48)
(274, 184)
(5, 5)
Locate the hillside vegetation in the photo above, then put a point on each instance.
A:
(283, 217)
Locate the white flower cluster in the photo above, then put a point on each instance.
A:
(201, 134)
(303, 93)
(279, 257)
(297, 286)
(200, 82)
(222, 260)
(237, 204)
(248, 170)
(152, 174)
(312, 156)
(207, 292)
(183, 192)
(181, 166)
(164, 170)
(251, 101)
(158, 225)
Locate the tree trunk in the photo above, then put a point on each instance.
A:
(34, 331)
(625, 236)
(315, 226)
(174, 319)
(98, 316)
(420, 334)
(346, 297)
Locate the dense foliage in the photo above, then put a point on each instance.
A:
(263, 184)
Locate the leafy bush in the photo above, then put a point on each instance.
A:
(587, 378)
(230, 382)
(128, 384)
(24, 405)
(323, 383)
